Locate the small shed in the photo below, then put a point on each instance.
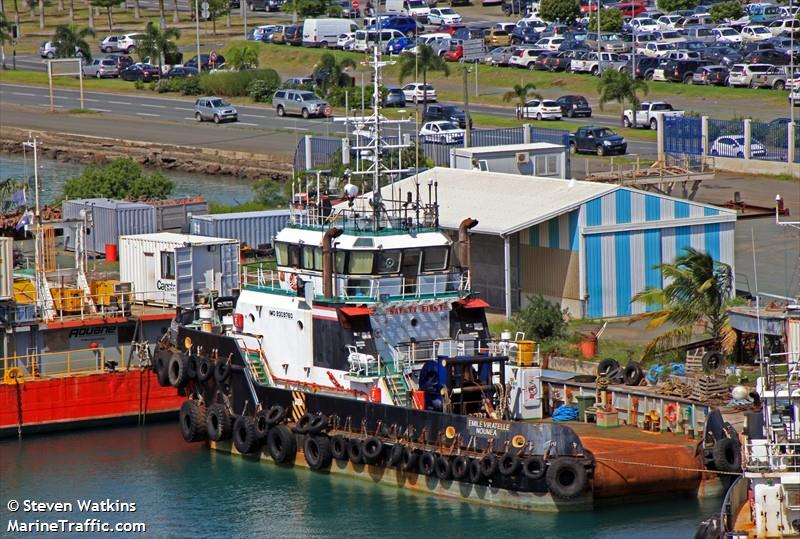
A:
(171, 269)
(106, 220)
(541, 159)
(252, 228)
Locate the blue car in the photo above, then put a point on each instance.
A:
(406, 25)
(399, 44)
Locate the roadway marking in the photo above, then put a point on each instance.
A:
(23, 93)
(146, 114)
(92, 100)
(100, 110)
(120, 103)
(254, 116)
(245, 123)
(152, 106)
(193, 119)
(295, 128)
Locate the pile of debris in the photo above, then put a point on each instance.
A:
(710, 389)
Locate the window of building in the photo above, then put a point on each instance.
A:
(547, 165)
(167, 265)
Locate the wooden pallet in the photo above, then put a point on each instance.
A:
(694, 359)
(709, 388)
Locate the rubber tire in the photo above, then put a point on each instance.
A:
(191, 366)
(409, 460)
(712, 360)
(534, 467)
(339, 447)
(275, 414)
(198, 116)
(317, 451)
(566, 468)
(475, 471)
(261, 425)
(488, 465)
(427, 463)
(161, 364)
(373, 448)
(509, 464)
(218, 423)
(539, 116)
(302, 425)
(601, 152)
(281, 111)
(193, 421)
(319, 422)
(573, 148)
(653, 124)
(633, 374)
(460, 467)
(97, 75)
(222, 371)
(443, 468)
(304, 114)
(245, 437)
(727, 455)
(281, 444)
(626, 122)
(606, 366)
(396, 455)
(355, 451)
(216, 119)
(205, 368)
(779, 85)
(178, 370)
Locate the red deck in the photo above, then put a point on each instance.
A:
(59, 402)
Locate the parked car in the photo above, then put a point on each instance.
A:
(599, 140)
(644, 24)
(292, 35)
(540, 109)
(402, 23)
(180, 72)
(215, 109)
(794, 97)
(443, 15)
(557, 61)
(726, 34)
(775, 77)
(712, 75)
(574, 105)
(48, 50)
(125, 43)
(443, 132)
(645, 67)
(399, 44)
(755, 33)
(416, 92)
(499, 56)
(302, 102)
(768, 56)
(120, 60)
(734, 146)
(497, 38)
(324, 33)
(419, 9)
(101, 67)
(394, 98)
(140, 72)
(205, 61)
(449, 113)
(742, 74)
(683, 70)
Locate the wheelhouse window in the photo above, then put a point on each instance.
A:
(435, 258)
(281, 254)
(360, 262)
(294, 256)
(167, 265)
(312, 257)
(339, 261)
(388, 261)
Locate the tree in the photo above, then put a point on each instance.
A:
(175, 18)
(162, 21)
(698, 293)
(610, 20)
(668, 6)
(270, 193)
(157, 44)
(726, 11)
(109, 5)
(328, 73)
(564, 11)
(216, 8)
(122, 178)
(91, 13)
(521, 93)
(68, 39)
(425, 60)
(5, 36)
(41, 14)
(620, 87)
(540, 320)
(306, 8)
(242, 56)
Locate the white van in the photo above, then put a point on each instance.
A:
(366, 38)
(325, 33)
(394, 6)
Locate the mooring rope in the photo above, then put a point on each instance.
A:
(19, 409)
(650, 465)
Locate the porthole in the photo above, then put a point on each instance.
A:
(300, 325)
(252, 317)
(414, 322)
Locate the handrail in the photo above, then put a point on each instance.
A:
(41, 365)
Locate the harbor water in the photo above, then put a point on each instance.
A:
(182, 490)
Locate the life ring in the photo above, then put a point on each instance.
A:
(245, 437)
(293, 281)
(193, 421)
(14, 375)
(671, 412)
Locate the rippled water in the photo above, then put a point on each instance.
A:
(183, 490)
(53, 174)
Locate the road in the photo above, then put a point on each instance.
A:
(179, 112)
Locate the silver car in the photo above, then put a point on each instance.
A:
(214, 108)
(101, 67)
(300, 102)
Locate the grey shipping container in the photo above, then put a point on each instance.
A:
(173, 214)
(252, 228)
(110, 220)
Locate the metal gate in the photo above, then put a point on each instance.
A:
(184, 277)
(683, 135)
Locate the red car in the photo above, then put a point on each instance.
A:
(451, 28)
(454, 54)
(631, 9)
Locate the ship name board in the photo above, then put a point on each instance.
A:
(483, 427)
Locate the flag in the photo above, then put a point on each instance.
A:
(25, 220)
(18, 198)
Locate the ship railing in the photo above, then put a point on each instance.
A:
(42, 365)
(453, 283)
(774, 456)
(396, 217)
(783, 371)
(415, 352)
(64, 306)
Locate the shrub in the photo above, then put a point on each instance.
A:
(121, 178)
(540, 320)
(139, 85)
(169, 85)
(236, 83)
(191, 86)
(261, 91)
(726, 11)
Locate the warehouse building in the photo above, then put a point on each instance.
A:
(588, 246)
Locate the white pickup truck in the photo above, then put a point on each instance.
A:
(595, 64)
(647, 114)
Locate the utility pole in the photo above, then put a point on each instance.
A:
(466, 107)
(795, 85)
(197, 32)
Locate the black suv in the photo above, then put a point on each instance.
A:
(449, 113)
(682, 70)
(574, 105)
(645, 67)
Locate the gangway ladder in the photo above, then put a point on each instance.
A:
(80, 266)
(397, 384)
(256, 359)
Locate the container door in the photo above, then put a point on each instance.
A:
(149, 277)
(229, 255)
(184, 277)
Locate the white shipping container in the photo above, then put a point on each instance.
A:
(170, 269)
(6, 268)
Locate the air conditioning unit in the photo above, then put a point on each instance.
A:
(522, 158)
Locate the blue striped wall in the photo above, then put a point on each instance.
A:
(558, 233)
(618, 264)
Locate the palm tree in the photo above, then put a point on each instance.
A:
(16, 19)
(521, 92)
(698, 293)
(619, 86)
(157, 43)
(91, 14)
(41, 14)
(162, 21)
(109, 5)
(331, 73)
(242, 56)
(425, 60)
(69, 39)
(175, 18)
(5, 36)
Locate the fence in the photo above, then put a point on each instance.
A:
(683, 135)
(323, 150)
(797, 145)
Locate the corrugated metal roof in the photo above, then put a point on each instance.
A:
(502, 203)
(241, 215)
(107, 203)
(509, 148)
(189, 239)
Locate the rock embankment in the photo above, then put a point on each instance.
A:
(101, 150)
